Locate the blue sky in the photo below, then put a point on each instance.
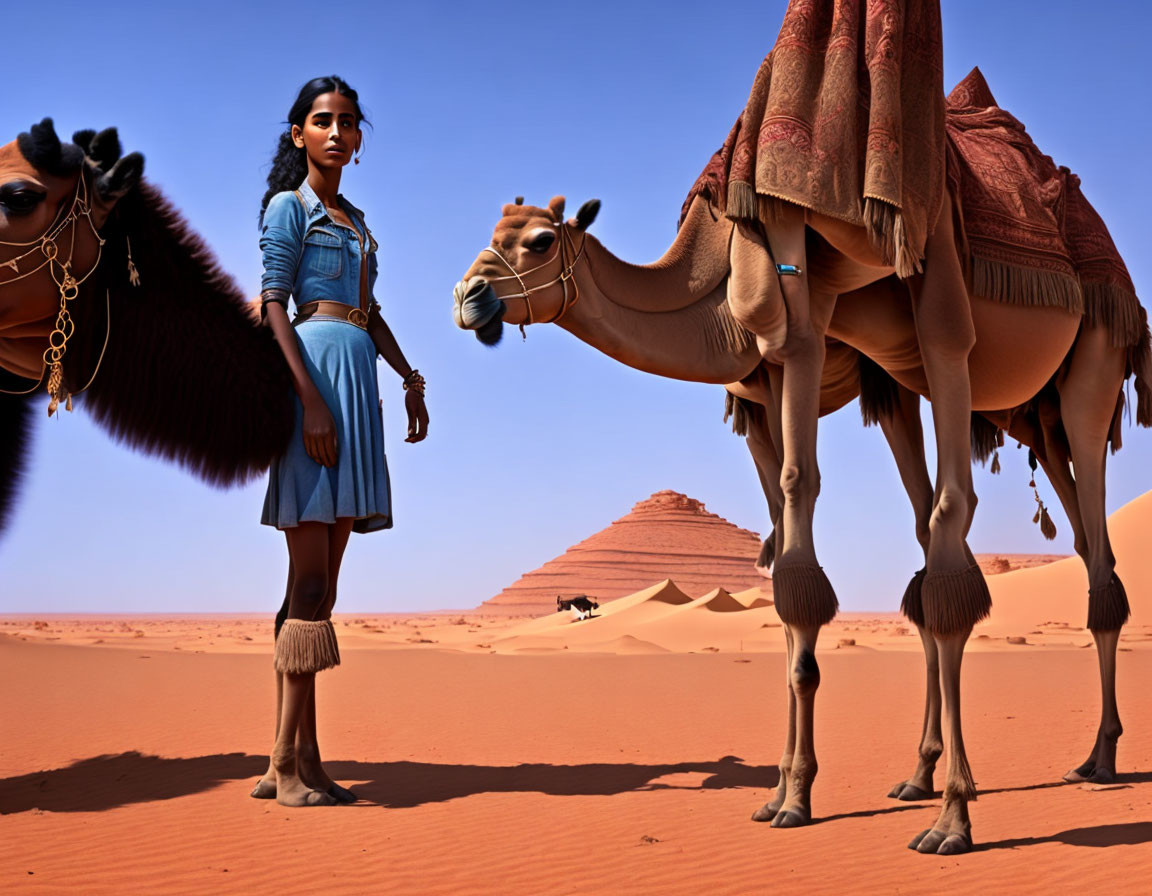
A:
(535, 445)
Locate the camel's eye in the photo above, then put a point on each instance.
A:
(20, 198)
(542, 241)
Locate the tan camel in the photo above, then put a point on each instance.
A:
(675, 318)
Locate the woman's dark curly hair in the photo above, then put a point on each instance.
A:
(290, 164)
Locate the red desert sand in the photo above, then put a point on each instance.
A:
(621, 754)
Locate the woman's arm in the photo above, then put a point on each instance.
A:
(281, 243)
(319, 429)
(389, 350)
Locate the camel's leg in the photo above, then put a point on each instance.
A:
(307, 742)
(768, 811)
(767, 461)
(919, 786)
(952, 832)
(265, 788)
(804, 679)
(905, 437)
(954, 594)
(1088, 398)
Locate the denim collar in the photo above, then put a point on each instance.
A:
(316, 208)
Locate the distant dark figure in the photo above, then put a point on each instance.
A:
(581, 606)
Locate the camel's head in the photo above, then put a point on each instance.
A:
(525, 276)
(53, 197)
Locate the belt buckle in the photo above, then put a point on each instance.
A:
(358, 317)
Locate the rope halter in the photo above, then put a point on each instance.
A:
(568, 256)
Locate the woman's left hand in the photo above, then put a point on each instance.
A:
(417, 416)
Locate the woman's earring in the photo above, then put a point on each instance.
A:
(356, 159)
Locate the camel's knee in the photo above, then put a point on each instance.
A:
(952, 508)
(805, 674)
(799, 484)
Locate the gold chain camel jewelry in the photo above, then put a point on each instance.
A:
(48, 246)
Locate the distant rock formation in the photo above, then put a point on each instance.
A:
(995, 564)
(667, 536)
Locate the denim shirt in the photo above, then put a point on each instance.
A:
(310, 255)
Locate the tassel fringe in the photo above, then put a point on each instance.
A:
(1016, 285)
(912, 604)
(1108, 608)
(879, 393)
(736, 409)
(1140, 361)
(1118, 309)
(891, 237)
(304, 646)
(955, 601)
(803, 595)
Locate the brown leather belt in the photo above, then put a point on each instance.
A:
(328, 309)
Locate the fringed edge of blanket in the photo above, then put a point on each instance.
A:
(1117, 308)
(890, 234)
(1017, 285)
(1140, 363)
(745, 204)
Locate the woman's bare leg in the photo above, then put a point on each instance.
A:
(301, 641)
(307, 745)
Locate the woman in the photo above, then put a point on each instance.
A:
(333, 478)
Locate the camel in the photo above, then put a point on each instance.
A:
(676, 318)
(105, 290)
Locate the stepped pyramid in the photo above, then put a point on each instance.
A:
(667, 536)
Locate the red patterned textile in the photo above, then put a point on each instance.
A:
(846, 117)
(1033, 238)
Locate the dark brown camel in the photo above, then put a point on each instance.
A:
(162, 349)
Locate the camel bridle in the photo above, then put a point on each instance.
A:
(568, 256)
(48, 246)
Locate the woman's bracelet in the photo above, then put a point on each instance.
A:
(415, 382)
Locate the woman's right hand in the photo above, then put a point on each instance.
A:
(320, 432)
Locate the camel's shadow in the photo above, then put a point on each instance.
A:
(106, 782)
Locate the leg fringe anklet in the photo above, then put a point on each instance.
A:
(1108, 606)
(912, 605)
(305, 646)
(954, 601)
(803, 595)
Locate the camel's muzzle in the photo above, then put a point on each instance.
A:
(476, 303)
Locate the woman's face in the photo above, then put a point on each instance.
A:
(331, 133)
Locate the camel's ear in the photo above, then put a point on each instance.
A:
(556, 207)
(586, 215)
(43, 149)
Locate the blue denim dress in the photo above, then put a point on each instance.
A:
(311, 256)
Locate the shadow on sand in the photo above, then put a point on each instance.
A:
(106, 782)
(1131, 834)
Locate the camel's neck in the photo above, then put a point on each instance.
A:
(670, 318)
(691, 268)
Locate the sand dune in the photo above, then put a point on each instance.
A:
(1030, 599)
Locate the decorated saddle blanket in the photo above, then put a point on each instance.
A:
(1028, 234)
(846, 117)
(1032, 237)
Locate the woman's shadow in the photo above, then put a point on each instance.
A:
(106, 782)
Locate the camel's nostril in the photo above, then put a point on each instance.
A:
(475, 287)
(476, 303)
